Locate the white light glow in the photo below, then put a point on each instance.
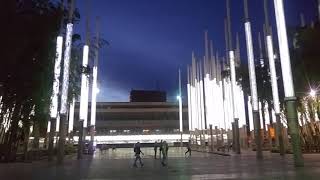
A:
(83, 113)
(71, 115)
(58, 123)
(233, 83)
(66, 64)
(180, 114)
(48, 126)
(202, 106)
(252, 72)
(313, 93)
(250, 113)
(189, 107)
(284, 49)
(94, 96)
(56, 80)
(118, 139)
(260, 114)
(274, 83)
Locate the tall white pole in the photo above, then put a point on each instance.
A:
(253, 83)
(189, 100)
(292, 116)
(274, 82)
(83, 113)
(56, 80)
(180, 108)
(55, 92)
(94, 90)
(65, 86)
(180, 104)
(233, 82)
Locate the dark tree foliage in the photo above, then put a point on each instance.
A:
(28, 32)
(305, 56)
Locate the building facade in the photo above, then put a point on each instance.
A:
(137, 118)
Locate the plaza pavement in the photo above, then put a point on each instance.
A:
(117, 165)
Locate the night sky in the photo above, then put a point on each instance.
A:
(151, 39)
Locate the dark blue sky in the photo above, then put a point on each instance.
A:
(151, 39)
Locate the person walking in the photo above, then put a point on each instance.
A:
(137, 152)
(165, 149)
(188, 149)
(155, 149)
(160, 148)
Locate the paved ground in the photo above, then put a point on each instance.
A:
(117, 165)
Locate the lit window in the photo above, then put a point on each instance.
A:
(113, 131)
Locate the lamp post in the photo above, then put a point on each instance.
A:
(65, 86)
(292, 116)
(189, 99)
(253, 82)
(94, 90)
(180, 108)
(274, 83)
(84, 94)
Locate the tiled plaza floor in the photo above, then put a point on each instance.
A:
(117, 165)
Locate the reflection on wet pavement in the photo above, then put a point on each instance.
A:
(117, 165)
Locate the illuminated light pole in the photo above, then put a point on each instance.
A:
(253, 83)
(83, 113)
(274, 82)
(65, 86)
(55, 92)
(84, 94)
(233, 82)
(94, 90)
(71, 117)
(189, 100)
(180, 108)
(56, 81)
(54, 96)
(203, 120)
(290, 98)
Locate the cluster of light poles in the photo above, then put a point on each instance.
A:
(211, 100)
(58, 117)
(214, 99)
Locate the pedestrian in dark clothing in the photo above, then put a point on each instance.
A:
(137, 152)
(188, 150)
(165, 149)
(160, 149)
(155, 149)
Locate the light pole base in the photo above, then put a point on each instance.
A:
(292, 118)
(257, 134)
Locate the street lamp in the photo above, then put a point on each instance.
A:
(180, 108)
(290, 98)
(65, 85)
(253, 82)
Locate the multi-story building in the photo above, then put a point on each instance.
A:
(137, 118)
